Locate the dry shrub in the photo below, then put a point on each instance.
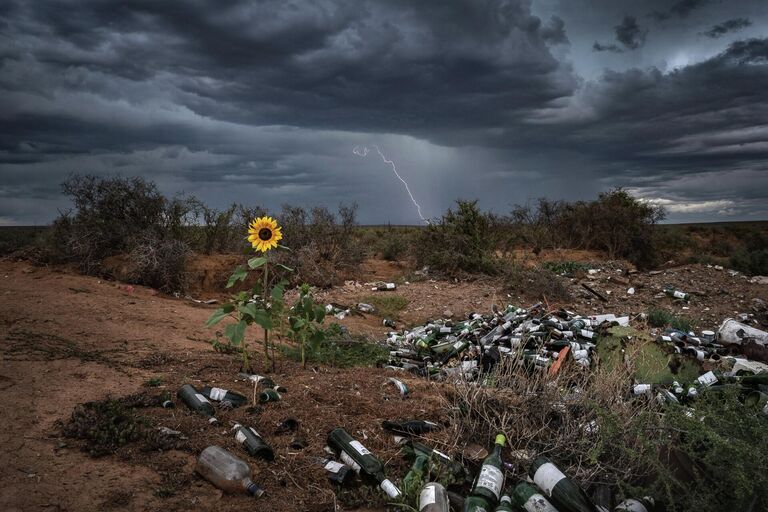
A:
(535, 282)
(324, 248)
(159, 263)
(581, 420)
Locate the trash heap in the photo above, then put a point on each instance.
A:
(538, 339)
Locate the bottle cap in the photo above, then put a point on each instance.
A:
(254, 489)
(501, 439)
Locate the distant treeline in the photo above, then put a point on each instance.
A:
(157, 234)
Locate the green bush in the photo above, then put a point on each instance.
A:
(460, 242)
(754, 262)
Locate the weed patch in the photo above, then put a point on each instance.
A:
(388, 306)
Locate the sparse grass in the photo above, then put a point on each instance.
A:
(386, 304)
(154, 382)
(662, 318)
(565, 268)
(341, 353)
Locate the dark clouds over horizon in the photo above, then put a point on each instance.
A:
(262, 102)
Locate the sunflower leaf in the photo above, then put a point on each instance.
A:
(216, 317)
(235, 332)
(257, 262)
(261, 317)
(239, 274)
(287, 269)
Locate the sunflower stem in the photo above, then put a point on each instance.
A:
(265, 292)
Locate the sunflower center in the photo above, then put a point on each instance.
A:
(265, 234)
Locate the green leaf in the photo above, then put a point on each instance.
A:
(238, 275)
(316, 339)
(217, 317)
(296, 322)
(278, 291)
(257, 262)
(262, 318)
(236, 332)
(249, 310)
(319, 314)
(287, 269)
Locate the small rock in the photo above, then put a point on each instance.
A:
(448, 313)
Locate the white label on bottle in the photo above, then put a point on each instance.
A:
(359, 448)
(491, 478)
(240, 437)
(390, 286)
(587, 334)
(642, 389)
(333, 466)
(427, 497)
(547, 477)
(631, 505)
(538, 503)
(668, 339)
(678, 294)
(580, 354)
(458, 344)
(349, 461)
(707, 379)
(254, 431)
(202, 398)
(391, 489)
(218, 394)
(441, 454)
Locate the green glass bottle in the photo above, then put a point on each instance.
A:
(490, 480)
(269, 395)
(416, 476)
(476, 504)
(527, 497)
(644, 504)
(505, 504)
(564, 494)
(355, 455)
(442, 464)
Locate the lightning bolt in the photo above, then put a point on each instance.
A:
(362, 151)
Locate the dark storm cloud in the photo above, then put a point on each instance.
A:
(629, 33)
(554, 31)
(680, 9)
(599, 47)
(243, 98)
(723, 28)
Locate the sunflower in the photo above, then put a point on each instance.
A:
(264, 233)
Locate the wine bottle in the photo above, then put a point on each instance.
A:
(401, 386)
(416, 476)
(354, 454)
(224, 396)
(490, 480)
(441, 463)
(226, 471)
(644, 504)
(476, 504)
(529, 498)
(338, 473)
(564, 494)
(197, 402)
(269, 395)
(505, 504)
(677, 294)
(410, 427)
(433, 498)
(253, 443)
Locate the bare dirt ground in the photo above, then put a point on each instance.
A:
(69, 339)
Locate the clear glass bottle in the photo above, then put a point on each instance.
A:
(227, 472)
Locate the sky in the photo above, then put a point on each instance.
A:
(503, 101)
